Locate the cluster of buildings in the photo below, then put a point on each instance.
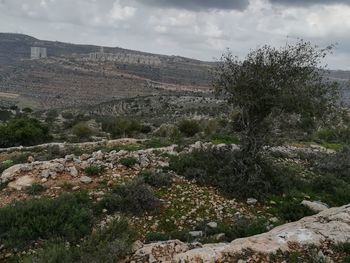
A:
(124, 57)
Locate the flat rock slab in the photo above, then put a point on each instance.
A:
(331, 225)
(21, 182)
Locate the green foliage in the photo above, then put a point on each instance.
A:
(120, 126)
(228, 171)
(67, 115)
(35, 189)
(334, 136)
(271, 81)
(290, 209)
(94, 170)
(156, 179)
(5, 165)
(27, 110)
(134, 197)
(189, 127)
(128, 161)
(226, 139)
(107, 245)
(23, 131)
(68, 216)
(82, 130)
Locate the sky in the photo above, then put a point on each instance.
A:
(201, 29)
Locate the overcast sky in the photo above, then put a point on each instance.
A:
(200, 29)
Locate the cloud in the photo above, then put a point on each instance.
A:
(307, 3)
(198, 5)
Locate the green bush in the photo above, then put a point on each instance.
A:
(189, 127)
(68, 216)
(340, 135)
(121, 126)
(94, 170)
(35, 189)
(128, 161)
(290, 209)
(134, 197)
(107, 245)
(82, 130)
(226, 139)
(23, 131)
(158, 179)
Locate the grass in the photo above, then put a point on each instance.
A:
(94, 170)
(128, 161)
(224, 139)
(35, 189)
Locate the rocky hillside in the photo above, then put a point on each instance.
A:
(162, 205)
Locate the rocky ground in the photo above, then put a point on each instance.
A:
(185, 206)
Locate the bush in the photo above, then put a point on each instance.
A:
(35, 189)
(159, 179)
(134, 197)
(290, 209)
(94, 170)
(23, 131)
(107, 245)
(341, 135)
(189, 127)
(69, 217)
(128, 161)
(229, 172)
(122, 126)
(82, 130)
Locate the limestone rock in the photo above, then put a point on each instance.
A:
(73, 171)
(10, 173)
(21, 182)
(85, 179)
(331, 225)
(315, 206)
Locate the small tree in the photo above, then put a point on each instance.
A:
(272, 82)
(267, 84)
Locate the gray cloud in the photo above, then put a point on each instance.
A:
(179, 27)
(307, 3)
(198, 5)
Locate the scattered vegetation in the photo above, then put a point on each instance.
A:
(35, 189)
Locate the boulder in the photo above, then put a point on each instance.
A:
(21, 182)
(331, 225)
(73, 171)
(315, 206)
(10, 173)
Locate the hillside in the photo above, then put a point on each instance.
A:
(69, 78)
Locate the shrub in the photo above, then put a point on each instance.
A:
(134, 197)
(341, 135)
(94, 170)
(189, 127)
(128, 161)
(107, 245)
(23, 131)
(69, 216)
(291, 209)
(226, 139)
(159, 179)
(35, 189)
(82, 130)
(122, 126)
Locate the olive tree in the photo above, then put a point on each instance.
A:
(271, 82)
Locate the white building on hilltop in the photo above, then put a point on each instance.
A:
(38, 52)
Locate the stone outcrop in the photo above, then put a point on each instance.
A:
(331, 225)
